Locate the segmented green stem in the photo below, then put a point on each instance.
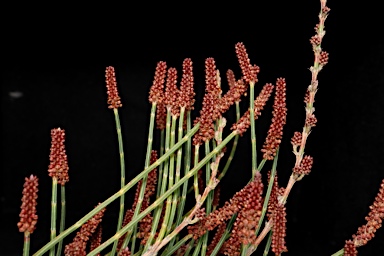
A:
(126, 188)
(187, 166)
(168, 208)
(145, 179)
(208, 204)
(160, 175)
(177, 173)
(27, 236)
(253, 133)
(155, 204)
(195, 177)
(157, 212)
(339, 253)
(53, 213)
(174, 248)
(234, 146)
(122, 174)
(224, 236)
(62, 218)
(268, 244)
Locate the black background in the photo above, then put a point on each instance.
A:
(56, 56)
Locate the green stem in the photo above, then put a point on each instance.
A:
(158, 211)
(53, 213)
(268, 245)
(155, 204)
(270, 185)
(189, 247)
(168, 208)
(62, 218)
(208, 205)
(145, 179)
(234, 146)
(27, 236)
(122, 174)
(187, 165)
(112, 198)
(176, 195)
(160, 176)
(339, 253)
(224, 236)
(253, 133)
(177, 245)
(195, 177)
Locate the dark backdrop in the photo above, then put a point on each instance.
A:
(53, 76)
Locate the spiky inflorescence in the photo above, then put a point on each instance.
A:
(187, 92)
(244, 228)
(275, 132)
(249, 71)
(172, 93)
(58, 166)
(114, 100)
(350, 248)
(304, 167)
(244, 122)
(374, 220)
(279, 227)
(217, 217)
(95, 240)
(209, 112)
(273, 198)
(79, 243)
(157, 88)
(232, 95)
(28, 217)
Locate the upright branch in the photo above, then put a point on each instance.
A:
(115, 103)
(58, 170)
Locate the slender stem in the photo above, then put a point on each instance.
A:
(27, 236)
(234, 146)
(208, 204)
(144, 182)
(122, 174)
(168, 208)
(155, 204)
(195, 177)
(159, 208)
(187, 167)
(112, 198)
(268, 245)
(177, 245)
(62, 218)
(189, 247)
(269, 190)
(339, 253)
(160, 176)
(176, 195)
(253, 133)
(224, 236)
(53, 213)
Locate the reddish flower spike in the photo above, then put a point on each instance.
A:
(113, 95)
(28, 217)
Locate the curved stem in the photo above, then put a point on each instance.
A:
(62, 218)
(122, 174)
(26, 243)
(144, 182)
(53, 213)
(253, 133)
